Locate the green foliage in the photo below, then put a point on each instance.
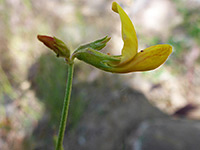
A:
(6, 92)
(50, 83)
(191, 19)
(76, 110)
(180, 45)
(185, 34)
(192, 23)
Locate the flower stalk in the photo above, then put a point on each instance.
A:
(65, 110)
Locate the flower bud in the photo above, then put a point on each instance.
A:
(96, 45)
(56, 45)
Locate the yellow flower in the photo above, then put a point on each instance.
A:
(130, 59)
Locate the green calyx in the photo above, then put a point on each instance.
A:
(61, 48)
(90, 53)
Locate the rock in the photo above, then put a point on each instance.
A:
(112, 113)
(103, 110)
(166, 134)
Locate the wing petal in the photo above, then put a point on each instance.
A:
(148, 59)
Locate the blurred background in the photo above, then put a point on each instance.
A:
(137, 111)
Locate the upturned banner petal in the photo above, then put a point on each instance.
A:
(128, 35)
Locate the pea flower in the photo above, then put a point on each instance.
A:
(130, 59)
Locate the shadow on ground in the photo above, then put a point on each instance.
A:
(102, 112)
(105, 114)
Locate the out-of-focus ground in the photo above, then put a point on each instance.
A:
(106, 109)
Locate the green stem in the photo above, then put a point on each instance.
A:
(59, 144)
